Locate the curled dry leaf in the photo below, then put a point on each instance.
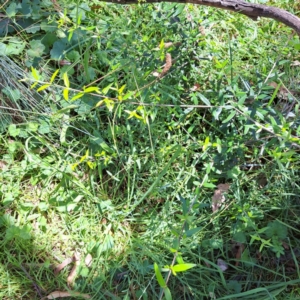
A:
(222, 264)
(72, 275)
(166, 68)
(195, 87)
(237, 251)
(59, 294)
(295, 63)
(3, 164)
(168, 64)
(218, 197)
(202, 30)
(88, 260)
(223, 187)
(66, 262)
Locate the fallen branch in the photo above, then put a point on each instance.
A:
(251, 10)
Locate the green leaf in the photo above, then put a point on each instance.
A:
(64, 129)
(14, 47)
(59, 48)
(167, 292)
(231, 115)
(209, 185)
(37, 48)
(33, 127)
(66, 94)
(100, 142)
(43, 87)
(66, 80)
(204, 99)
(91, 89)
(54, 75)
(121, 89)
(69, 107)
(78, 96)
(107, 88)
(13, 130)
(159, 277)
(275, 228)
(191, 232)
(34, 73)
(183, 267)
(11, 10)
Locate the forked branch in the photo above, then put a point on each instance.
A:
(251, 10)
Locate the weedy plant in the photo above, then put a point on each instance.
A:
(139, 114)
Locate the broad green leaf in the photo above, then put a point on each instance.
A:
(167, 292)
(179, 10)
(33, 127)
(37, 48)
(183, 267)
(159, 277)
(191, 232)
(14, 47)
(13, 130)
(58, 48)
(11, 10)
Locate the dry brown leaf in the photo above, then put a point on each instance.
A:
(195, 87)
(285, 246)
(168, 45)
(168, 64)
(66, 262)
(72, 275)
(295, 63)
(222, 264)
(3, 164)
(218, 197)
(88, 260)
(282, 91)
(217, 200)
(223, 187)
(202, 30)
(59, 294)
(237, 250)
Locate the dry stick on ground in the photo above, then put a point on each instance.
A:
(251, 10)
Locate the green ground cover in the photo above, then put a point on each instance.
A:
(153, 149)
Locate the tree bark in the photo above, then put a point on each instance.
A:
(251, 10)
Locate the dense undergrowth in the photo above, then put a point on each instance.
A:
(117, 131)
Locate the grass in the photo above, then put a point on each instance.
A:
(127, 173)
